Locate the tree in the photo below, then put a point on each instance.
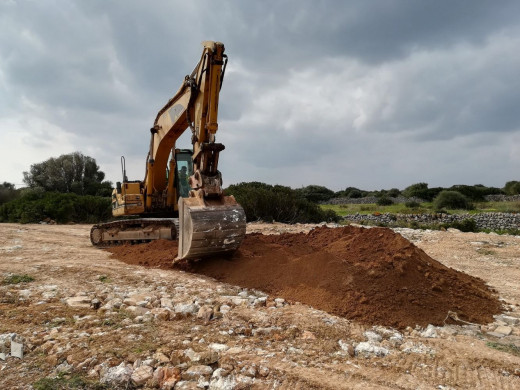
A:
(421, 190)
(71, 172)
(351, 192)
(7, 192)
(512, 188)
(417, 190)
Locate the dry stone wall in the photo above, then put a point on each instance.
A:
(493, 221)
(371, 200)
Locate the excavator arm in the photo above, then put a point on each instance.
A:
(194, 106)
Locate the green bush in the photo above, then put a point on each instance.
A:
(476, 192)
(315, 194)
(351, 192)
(8, 192)
(468, 225)
(451, 200)
(421, 190)
(16, 278)
(35, 205)
(412, 204)
(384, 201)
(393, 192)
(512, 188)
(278, 203)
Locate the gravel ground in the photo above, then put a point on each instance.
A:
(88, 316)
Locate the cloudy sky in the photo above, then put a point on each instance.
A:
(372, 94)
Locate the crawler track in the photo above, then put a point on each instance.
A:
(133, 231)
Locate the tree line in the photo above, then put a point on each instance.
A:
(71, 187)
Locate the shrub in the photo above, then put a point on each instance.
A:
(316, 194)
(34, 206)
(8, 192)
(278, 203)
(421, 190)
(384, 201)
(15, 279)
(351, 192)
(393, 192)
(468, 225)
(476, 192)
(451, 200)
(412, 204)
(512, 188)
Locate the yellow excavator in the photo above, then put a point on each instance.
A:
(181, 195)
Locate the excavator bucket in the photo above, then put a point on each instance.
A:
(209, 227)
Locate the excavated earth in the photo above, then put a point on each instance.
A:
(373, 276)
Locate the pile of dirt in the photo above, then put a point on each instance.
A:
(373, 276)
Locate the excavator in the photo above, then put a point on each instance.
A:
(181, 196)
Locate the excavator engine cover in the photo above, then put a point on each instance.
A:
(210, 226)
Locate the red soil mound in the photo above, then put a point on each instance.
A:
(373, 276)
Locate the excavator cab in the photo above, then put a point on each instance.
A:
(183, 170)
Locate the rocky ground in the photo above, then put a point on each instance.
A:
(89, 320)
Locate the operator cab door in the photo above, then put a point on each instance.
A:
(183, 170)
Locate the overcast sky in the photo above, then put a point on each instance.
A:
(371, 94)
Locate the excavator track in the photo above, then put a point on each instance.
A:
(133, 231)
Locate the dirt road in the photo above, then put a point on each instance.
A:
(121, 324)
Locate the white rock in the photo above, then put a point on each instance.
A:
(141, 375)
(505, 330)
(510, 320)
(219, 382)
(64, 368)
(225, 309)
(119, 375)
(81, 301)
(186, 308)
(411, 347)
(367, 348)
(218, 347)
(238, 301)
(430, 332)
(345, 346)
(372, 336)
(195, 372)
(166, 302)
(187, 385)
(25, 293)
(17, 349)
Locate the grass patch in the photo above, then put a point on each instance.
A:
(16, 279)
(423, 208)
(65, 382)
(396, 208)
(509, 348)
(498, 207)
(104, 279)
(486, 252)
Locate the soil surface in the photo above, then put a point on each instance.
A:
(79, 311)
(373, 276)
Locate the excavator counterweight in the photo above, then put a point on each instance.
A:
(181, 195)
